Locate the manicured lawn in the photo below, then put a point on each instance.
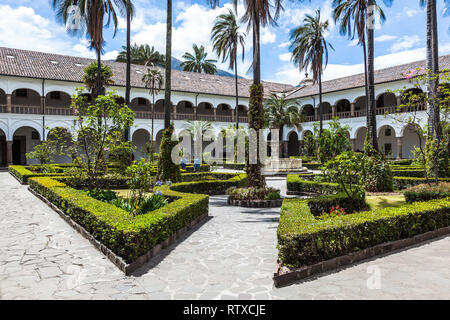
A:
(380, 202)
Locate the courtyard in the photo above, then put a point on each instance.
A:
(232, 255)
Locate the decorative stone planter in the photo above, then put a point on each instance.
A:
(256, 203)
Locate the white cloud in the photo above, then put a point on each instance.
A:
(353, 43)
(290, 74)
(267, 36)
(411, 12)
(405, 43)
(285, 56)
(284, 44)
(384, 38)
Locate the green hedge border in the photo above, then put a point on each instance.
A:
(211, 187)
(303, 240)
(127, 236)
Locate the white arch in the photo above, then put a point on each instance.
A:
(37, 125)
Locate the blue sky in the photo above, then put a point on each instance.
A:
(31, 24)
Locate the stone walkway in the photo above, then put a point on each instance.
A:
(231, 256)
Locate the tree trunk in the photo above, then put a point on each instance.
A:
(365, 73)
(128, 75)
(99, 90)
(371, 115)
(237, 94)
(320, 105)
(167, 99)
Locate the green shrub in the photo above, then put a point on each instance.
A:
(296, 184)
(167, 170)
(126, 235)
(401, 183)
(304, 240)
(211, 187)
(321, 204)
(408, 173)
(425, 192)
(253, 193)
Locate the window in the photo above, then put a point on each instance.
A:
(387, 132)
(34, 135)
(142, 101)
(55, 95)
(22, 93)
(388, 149)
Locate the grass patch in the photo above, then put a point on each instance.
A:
(381, 202)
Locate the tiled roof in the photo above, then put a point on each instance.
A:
(355, 81)
(50, 66)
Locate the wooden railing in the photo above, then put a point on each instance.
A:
(26, 109)
(59, 111)
(344, 115)
(3, 108)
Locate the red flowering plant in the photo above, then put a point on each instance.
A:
(335, 211)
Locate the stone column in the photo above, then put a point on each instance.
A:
(353, 141)
(9, 153)
(285, 149)
(399, 100)
(215, 113)
(316, 114)
(300, 147)
(174, 108)
(333, 111)
(195, 113)
(399, 148)
(43, 105)
(233, 118)
(8, 103)
(352, 109)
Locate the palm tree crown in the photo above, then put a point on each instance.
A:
(143, 55)
(309, 47)
(197, 62)
(93, 13)
(153, 80)
(226, 38)
(279, 113)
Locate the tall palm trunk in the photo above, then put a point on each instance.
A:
(153, 118)
(371, 115)
(237, 94)
(167, 99)
(320, 105)
(128, 75)
(99, 90)
(433, 66)
(365, 72)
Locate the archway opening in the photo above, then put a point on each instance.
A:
(293, 144)
(3, 160)
(185, 110)
(360, 106)
(387, 141)
(58, 103)
(25, 101)
(63, 143)
(224, 113)
(412, 138)
(24, 140)
(205, 111)
(141, 140)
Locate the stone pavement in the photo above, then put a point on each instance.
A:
(231, 256)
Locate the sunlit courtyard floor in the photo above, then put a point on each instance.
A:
(231, 256)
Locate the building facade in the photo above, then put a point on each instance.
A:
(36, 90)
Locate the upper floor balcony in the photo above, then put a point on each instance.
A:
(386, 103)
(28, 101)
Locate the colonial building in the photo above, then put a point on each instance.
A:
(36, 89)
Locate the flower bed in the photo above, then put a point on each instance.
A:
(303, 240)
(254, 197)
(129, 237)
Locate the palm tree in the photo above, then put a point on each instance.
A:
(143, 55)
(197, 62)
(197, 130)
(357, 19)
(168, 84)
(432, 64)
(226, 40)
(93, 14)
(280, 113)
(258, 13)
(352, 15)
(309, 48)
(153, 80)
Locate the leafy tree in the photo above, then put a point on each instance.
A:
(167, 169)
(143, 55)
(99, 127)
(280, 113)
(309, 49)
(139, 180)
(227, 39)
(90, 77)
(93, 14)
(197, 62)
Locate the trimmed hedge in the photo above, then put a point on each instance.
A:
(295, 183)
(419, 173)
(425, 192)
(405, 162)
(212, 187)
(127, 236)
(312, 165)
(23, 174)
(304, 240)
(401, 183)
(321, 204)
(234, 166)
